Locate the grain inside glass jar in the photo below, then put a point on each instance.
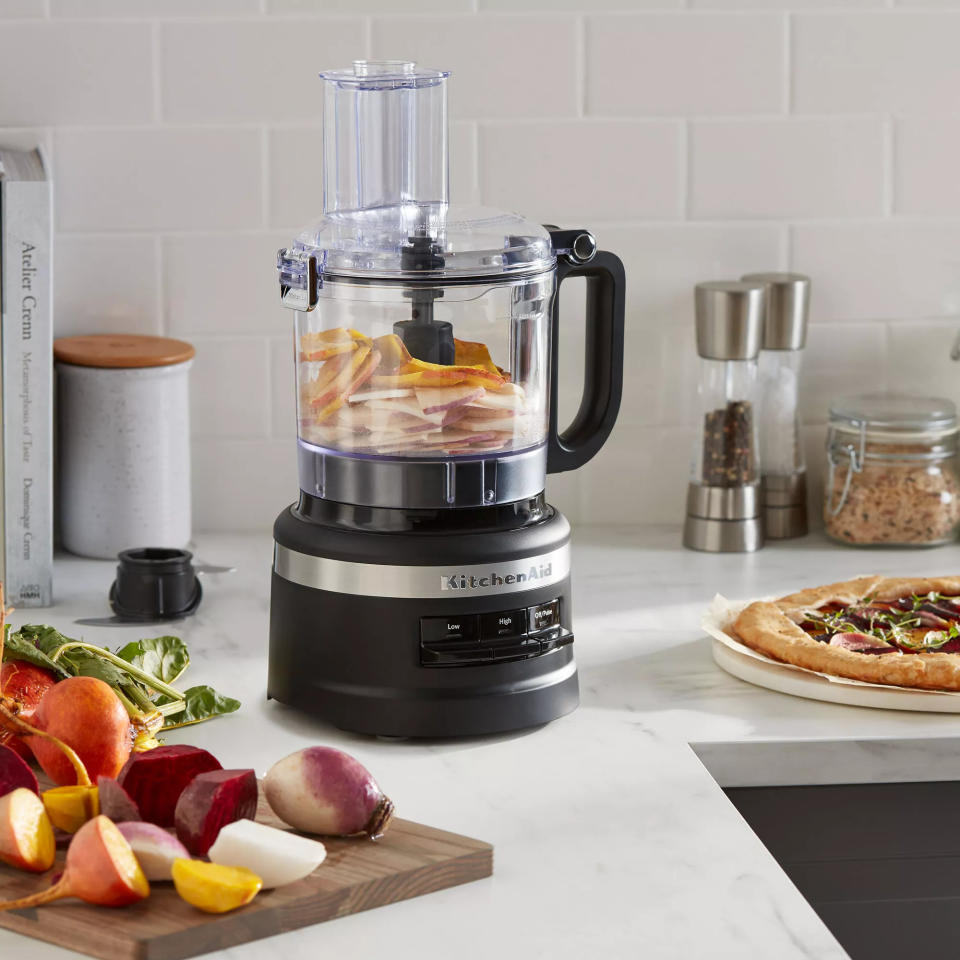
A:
(892, 471)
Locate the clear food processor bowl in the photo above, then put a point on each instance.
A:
(422, 329)
(395, 371)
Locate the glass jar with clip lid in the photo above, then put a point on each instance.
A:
(892, 475)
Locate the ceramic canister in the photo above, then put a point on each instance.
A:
(123, 443)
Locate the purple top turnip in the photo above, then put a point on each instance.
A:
(325, 791)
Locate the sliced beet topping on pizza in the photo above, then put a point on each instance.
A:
(861, 643)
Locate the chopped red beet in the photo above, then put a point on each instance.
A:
(14, 772)
(115, 802)
(155, 779)
(210, 802)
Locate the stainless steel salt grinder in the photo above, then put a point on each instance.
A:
(782, 466)
(724, 512)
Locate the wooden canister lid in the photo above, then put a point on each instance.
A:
(122, 350)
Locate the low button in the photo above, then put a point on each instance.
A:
(441, 629)
(544, 616)
(498, 626)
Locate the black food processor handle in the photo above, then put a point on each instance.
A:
(603, 350)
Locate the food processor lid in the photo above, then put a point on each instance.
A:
(386, 211)
(460, 242)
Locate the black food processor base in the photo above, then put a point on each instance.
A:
(485, 647)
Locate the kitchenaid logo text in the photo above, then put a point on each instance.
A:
(462, 581)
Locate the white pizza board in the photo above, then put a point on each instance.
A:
(803, 683)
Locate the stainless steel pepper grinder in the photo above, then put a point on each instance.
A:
(782, 463)
(724, 511)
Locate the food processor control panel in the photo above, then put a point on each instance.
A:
(475, 639)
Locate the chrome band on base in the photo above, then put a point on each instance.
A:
(449, 583)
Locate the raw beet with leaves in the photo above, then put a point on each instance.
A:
(210, 802)
(140, 673)
(155, 780)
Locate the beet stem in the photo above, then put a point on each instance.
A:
(154, 683)
(39, 898)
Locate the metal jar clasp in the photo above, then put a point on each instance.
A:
(855, 457)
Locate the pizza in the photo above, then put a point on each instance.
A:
(904, 632)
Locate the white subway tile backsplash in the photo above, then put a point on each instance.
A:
(578, 6)
(223, 284)
(926, 182)
(295, 168)
(74, 73)
(640, 478)
(883, 270)
(22, 9)
(678, 64)
(876, 62)
(251, 70)
(745, 169)
(841, 358)
(242, 485)
(920, 360)
(368, 6)
(106, 284)
(502, 65)
(165, 178)
(787, 4)
(79, 9)
(559, 170)
(229, 388)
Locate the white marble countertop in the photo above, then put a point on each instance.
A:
(611, 837)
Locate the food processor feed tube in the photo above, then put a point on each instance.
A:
(421, 583)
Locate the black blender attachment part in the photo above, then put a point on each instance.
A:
(421, 583)
(154, 585)
(425, 337)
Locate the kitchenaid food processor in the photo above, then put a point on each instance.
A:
(421, 585)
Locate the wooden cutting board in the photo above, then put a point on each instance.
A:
(358, 874)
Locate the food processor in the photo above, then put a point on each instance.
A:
(421, 584)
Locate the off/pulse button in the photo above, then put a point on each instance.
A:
(544, 616)
(499, 626)
(439, 629)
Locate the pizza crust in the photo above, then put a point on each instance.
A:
(772, 628)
